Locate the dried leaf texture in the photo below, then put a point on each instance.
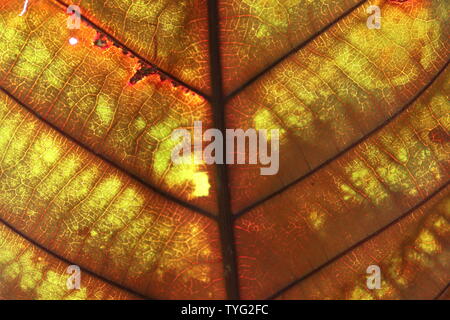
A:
(86, 176)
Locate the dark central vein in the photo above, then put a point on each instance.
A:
(225, 218)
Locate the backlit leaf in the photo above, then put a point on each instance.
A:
(86, 176)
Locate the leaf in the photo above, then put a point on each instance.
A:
(28, 272)
(427, 233)
(87, 211)
(343, 203)
(249, 27)
(87, 179)
(173, 35)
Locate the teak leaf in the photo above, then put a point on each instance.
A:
(87, 178)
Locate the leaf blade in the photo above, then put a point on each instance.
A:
(88, 212)
(129, 125)
(365, 188)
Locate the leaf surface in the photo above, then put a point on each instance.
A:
(172, 35)
(86, 176)
(347, 200)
